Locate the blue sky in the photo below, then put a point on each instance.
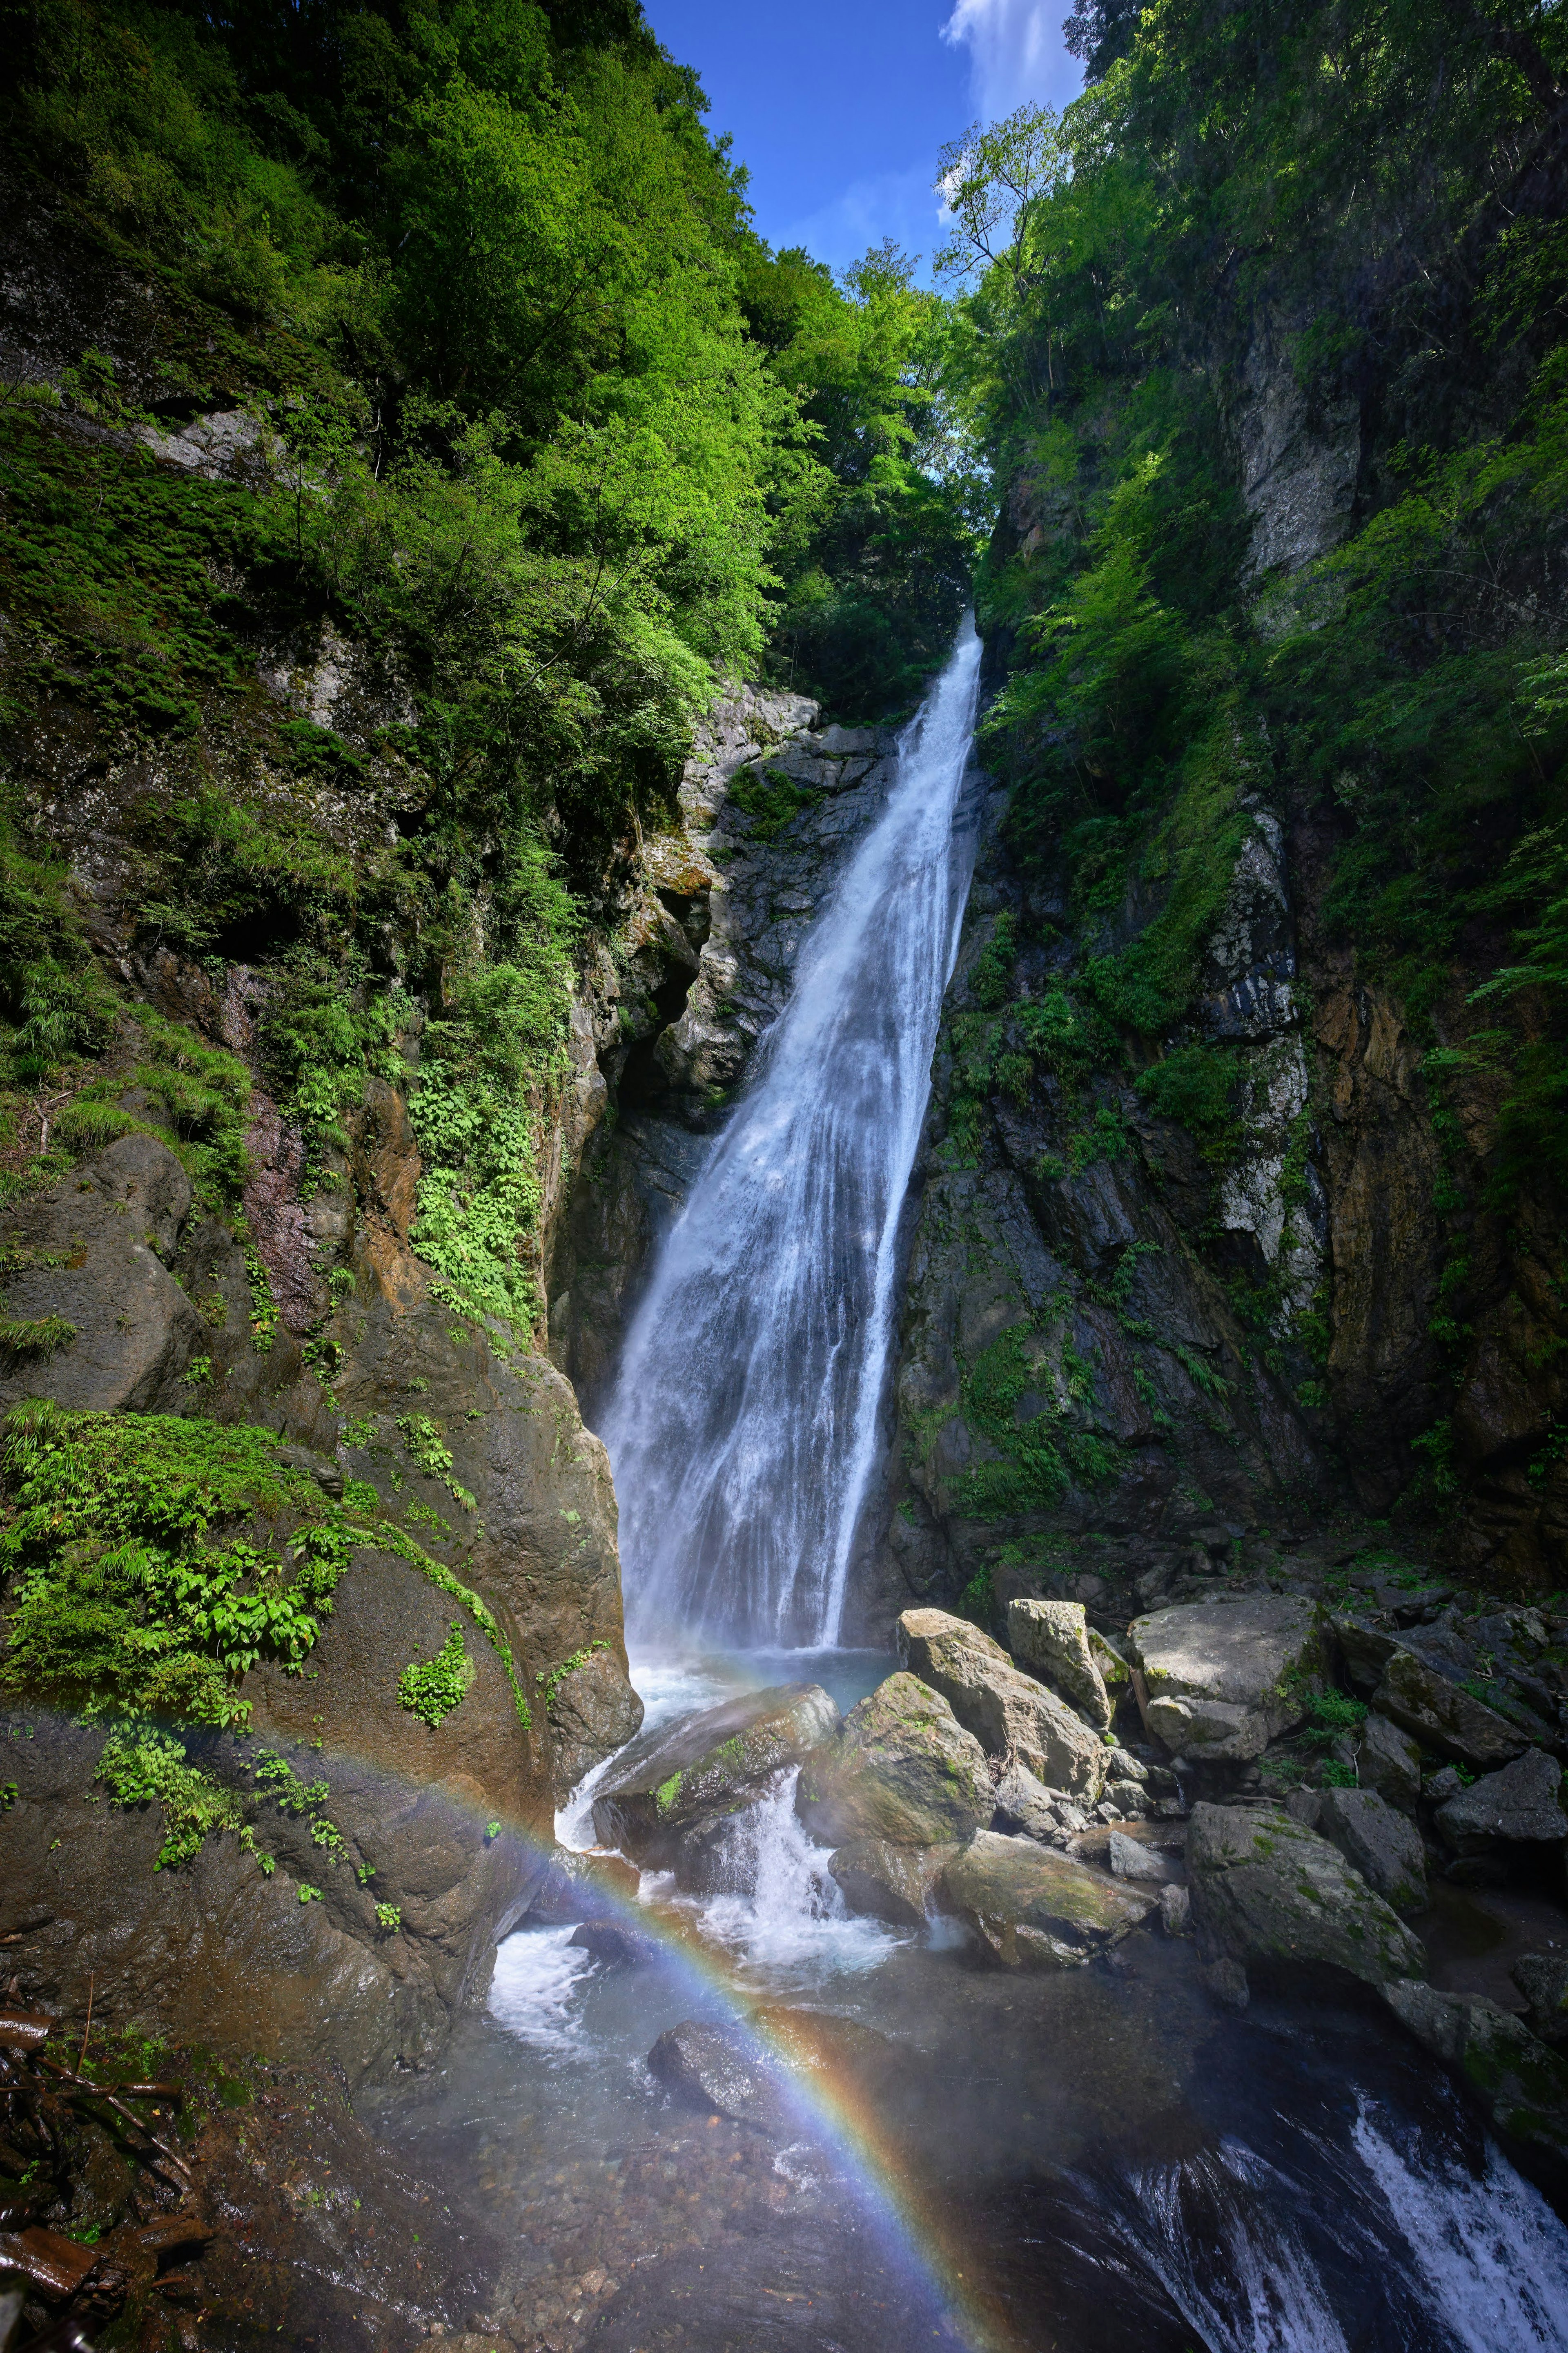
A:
(838, 107)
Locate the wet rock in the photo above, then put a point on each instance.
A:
(890, 1883)
(1364, 1651)
(718, 2070)
(1130, 1859)
(901, 1767)
(89, 1254)
(1226, 1980)
(1542, 1980)
(1024, 1804)
(1129, 1798)
(1266, 1889)
(1051, 1639)
(1176, 1910)
(617, 1946)
(673, 1792)
(1520, 2083)
(1523, 1801)
(1008, 1712)
(1122, 1765)
(1389, 1761)
(1441, 1715)
(593, 1884)
(1383, 1845)
(594, 1711)
(1225, 1678)
(1034, 1909)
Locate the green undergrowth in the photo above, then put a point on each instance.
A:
(772, 799)
(1019, 1397)
(149, 1563)
(431, 1688)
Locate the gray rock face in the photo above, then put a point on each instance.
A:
(1519, 2082)
(1441, 1715)
(890, 1883)
(1024, 1805)
(1389, 1761)
(901, 1767)
(1542, 1980)
(1051, 1639)
(1522, 1801)
(1008, 1712)
(1227, 1677)
(616, 1946)
(673, 1793)
(715, 2069)
(1265, 1888)
(1383, 1845)
(1176, 1910)
(593, 1711)
(91, 1252)
(1033, 1909)
(1130, 1859)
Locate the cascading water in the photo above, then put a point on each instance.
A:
(742, 1479)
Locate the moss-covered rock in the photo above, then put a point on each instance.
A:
(1226, 1677)
(1034, 1909)
(1265, 1888)
(1442, 1714)
(1051, 1639)
(1518, 2082)
(901, 1767)
(673, 1794)
(890, 1883)
(1009, 1713)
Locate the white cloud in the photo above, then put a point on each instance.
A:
(899, 205)
(1015, 52)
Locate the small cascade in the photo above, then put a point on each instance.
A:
(743, 1426)
(786, 1912)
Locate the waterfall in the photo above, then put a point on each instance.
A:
(743, 1424)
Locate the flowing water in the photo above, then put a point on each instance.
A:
(741, 1482)
(1092, 2162)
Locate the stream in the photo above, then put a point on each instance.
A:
(1097, 2159)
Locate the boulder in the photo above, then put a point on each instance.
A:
(1034, 1909)
(1444, 1715)
(1385, 1846)
(1224, 1678)
(616, 1946)
(674, 1792)
(1364, 1651)
(1025, 1804)
(901, 1768)
(1523, 1801)
(1130, 1859)
(1520, 2083)
(591, 1884)
(1265, 1888)
(717, 2070)
(1389, 1761)
(592, 1712)
(890, 1883)
(1008, 1712)
(1542, 1980)
(1226, 1980)
(1051, 1639)
(1176, 1910)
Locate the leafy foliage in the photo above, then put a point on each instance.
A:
(432, 1689)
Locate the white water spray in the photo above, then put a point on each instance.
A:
(742, 1428)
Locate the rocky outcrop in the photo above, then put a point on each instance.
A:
(1266, 1889)
(901, 1767)
(1521, 1804)
(890, 1883)
(1079, 1410)
(1441, 1713)
(707, 929)
(670, 1799)
(1052, 1638)
(1032, 1909)
(1519, 2084)
(1224, 1678)
(1011, 1715)
(1382, 1845)
(1542, 1980)
(1389, 1761)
